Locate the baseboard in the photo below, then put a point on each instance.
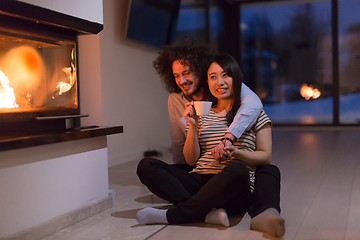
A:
(45, 229)
(115, 160)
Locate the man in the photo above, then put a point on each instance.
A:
(183, 69)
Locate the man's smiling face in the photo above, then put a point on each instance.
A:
(185, 79)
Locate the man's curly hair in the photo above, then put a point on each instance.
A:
(194, 55)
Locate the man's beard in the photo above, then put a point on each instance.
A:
(196, 90)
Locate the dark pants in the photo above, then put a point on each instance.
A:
(194, 195)
(266, 192)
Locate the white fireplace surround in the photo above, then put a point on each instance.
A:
(46, 188)
(93, 11)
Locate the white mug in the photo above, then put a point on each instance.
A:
(202, 107)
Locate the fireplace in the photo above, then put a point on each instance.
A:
(39, 77)
(38, 68)
(38, 82)
(41, 156)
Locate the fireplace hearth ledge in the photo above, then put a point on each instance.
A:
(15, 141)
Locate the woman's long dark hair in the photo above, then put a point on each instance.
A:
(232, 68)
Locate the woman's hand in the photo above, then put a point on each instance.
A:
(219, 152)
(191, 147)
(230, 150)
(189, 113)
(262, 155)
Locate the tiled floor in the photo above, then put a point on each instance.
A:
(320, 196)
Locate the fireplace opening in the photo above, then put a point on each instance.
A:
(37, 76)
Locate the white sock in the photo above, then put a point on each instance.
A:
(217, 216)
(151, 216)
(269, 221)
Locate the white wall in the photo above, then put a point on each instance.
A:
(132, 93)
(38, 184)
(90, 10)
(90, 79)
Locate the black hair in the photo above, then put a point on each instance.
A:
(190, 53)
(232, 68)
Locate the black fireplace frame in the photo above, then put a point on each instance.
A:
(19, 18)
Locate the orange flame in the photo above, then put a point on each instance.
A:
(70, 74)
(307, 92)
(7, 95)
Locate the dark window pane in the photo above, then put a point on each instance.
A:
(349, 67)
(286, 59)
(192, 21)
(216, 24)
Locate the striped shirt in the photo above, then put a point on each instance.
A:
(211, 128)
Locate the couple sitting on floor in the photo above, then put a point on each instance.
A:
(227, 152)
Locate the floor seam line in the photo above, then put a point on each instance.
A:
(153, 234)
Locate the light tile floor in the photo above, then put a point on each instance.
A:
(320, 195)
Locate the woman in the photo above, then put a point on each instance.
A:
(212, 189)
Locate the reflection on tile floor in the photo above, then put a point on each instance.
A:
(320, 196)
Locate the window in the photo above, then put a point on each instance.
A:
(349, 61)
(192, 21)
(203, 21)
(286, 59)
(291, 56)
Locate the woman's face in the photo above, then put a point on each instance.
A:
(220, 83)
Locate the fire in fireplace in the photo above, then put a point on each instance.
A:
(39, 78)
(37, 75)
